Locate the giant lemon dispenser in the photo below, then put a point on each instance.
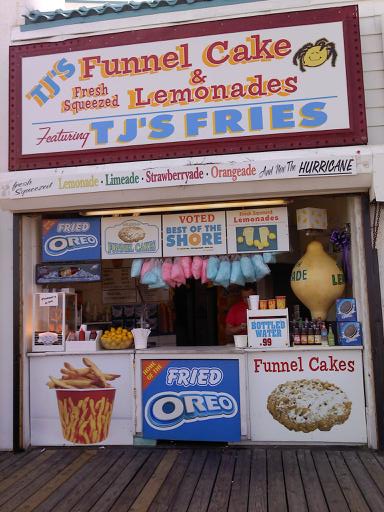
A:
(317, 280)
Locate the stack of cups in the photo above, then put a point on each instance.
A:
(241, 340)
(253, 302)
(140, 337)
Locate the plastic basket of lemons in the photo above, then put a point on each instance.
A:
(117, 338)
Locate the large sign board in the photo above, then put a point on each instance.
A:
(307, 396)
(70, 239)
(83, 180)
(186, 234)
(280, 81)
(258, 230)
(131, 237)
(82, 410)
(191, 400)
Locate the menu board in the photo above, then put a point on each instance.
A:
(257, 230)
(118, 286)
(186, 234)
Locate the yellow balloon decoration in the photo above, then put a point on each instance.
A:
(317, 280)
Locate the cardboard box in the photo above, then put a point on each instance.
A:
(346, 310)
(349, 334)
(311, 218)
(86, 345)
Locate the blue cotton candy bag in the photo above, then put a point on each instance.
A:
(212, 267)
(136, 267)
(237, 276)
(269, 257)
(247, 269)
(150, 277)
(223, 274)
(261, 269)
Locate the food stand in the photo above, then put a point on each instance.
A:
(273, 390)
(174, 241)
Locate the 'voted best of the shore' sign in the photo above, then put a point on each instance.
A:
(186, 234)
(238, 85)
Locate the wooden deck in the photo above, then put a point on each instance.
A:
(192, 479)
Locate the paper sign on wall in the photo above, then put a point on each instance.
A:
(48, 299)
(257, 230)
(187, 234)
(131, 237)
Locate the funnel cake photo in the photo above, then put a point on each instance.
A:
(131, 234)
(306, 405)
(85, 401)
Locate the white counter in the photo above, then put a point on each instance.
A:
(261, 373)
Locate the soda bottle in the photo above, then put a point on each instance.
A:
(331, 337)
(324, 333)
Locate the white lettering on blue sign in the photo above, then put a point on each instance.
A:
(59, 245)
(73, 227)
(169, 410)
(194, 376)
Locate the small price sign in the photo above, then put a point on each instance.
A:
(49, 299)
(268, 328)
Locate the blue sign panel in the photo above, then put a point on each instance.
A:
(71, 239)
(191, 400)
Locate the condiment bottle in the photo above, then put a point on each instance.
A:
(93, 335)
(311, 336)
(71, 336)
(296, 337)
(304, 336)
(331, 337)
(324, 333)
(317, 336)
(81, 335)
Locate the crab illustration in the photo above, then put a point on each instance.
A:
(314, 55)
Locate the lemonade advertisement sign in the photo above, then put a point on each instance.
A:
(208, 86)
(257, 230)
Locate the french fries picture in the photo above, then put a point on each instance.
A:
(85, 400)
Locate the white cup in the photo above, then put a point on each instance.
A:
(140, 337)
(253, 301)
(241, 340)
(140, 342)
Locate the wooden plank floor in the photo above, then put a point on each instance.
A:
(192, 479)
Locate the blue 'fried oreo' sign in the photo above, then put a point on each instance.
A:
(195, 400)
(70, 239)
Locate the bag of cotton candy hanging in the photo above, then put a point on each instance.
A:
(148, 272)
(261, 268)
(223, 273)
(197, 265)
(166, 271)
(160, 283)
(212, 267)
(237, 276)
(177, 272)
(247, 269)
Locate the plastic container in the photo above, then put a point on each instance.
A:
(140, 337)
(253, 301)
(241, 340)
